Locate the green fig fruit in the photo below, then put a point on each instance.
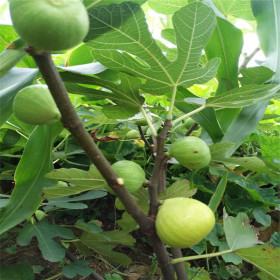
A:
(140, 144)
(51, 25)
(183, 222)
(141, 122)
(133, 134)
(35, 105)
(191, 152)
(132, 174)
(188, 123)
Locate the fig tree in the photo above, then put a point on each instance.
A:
(191, 152)
(35, 105)
(51, 25)
(183, 222)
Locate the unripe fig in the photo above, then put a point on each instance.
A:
(35, 105)
(133, 134)
(40, 215)
(139, 143)
(188, 123)
(141, 122)
(191, 152)
(51, 25)
(180, 129)
(61, 184)
(132, 174)
(183, 222)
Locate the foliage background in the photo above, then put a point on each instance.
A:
(240, 124)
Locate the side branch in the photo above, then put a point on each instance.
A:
(160, 161)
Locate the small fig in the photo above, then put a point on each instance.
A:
(188, 123)
(183, 222)
(61, 184)
(40, 215)
(139, 143)
(132, 174)
(141, 122)
(191, 152)
(35, 105)
(133, 134)
(51, 25)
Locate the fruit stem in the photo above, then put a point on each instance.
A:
(185, 259)
(170, 111)
(189, 114)
(148, 119)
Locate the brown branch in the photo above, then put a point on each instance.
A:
(72, 122)
(162, 178)
(165, 264)
(180, 269)
(160, 159)
(146, 141)
(191, 129)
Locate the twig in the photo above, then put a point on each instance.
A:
(248, 58)
(146, 141)
(191, 129)
(72, 122)
(160, 159)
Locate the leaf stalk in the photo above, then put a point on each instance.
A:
(148, 119)
(189, 114)
(211, 255)
(172, 102)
